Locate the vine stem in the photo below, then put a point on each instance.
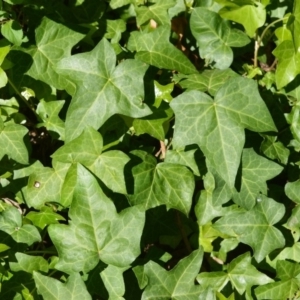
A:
(258, 42)
(183, 233)
(21, 96)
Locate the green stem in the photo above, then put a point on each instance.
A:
(258, 42)
(21, 97)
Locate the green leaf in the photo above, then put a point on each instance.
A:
(11, 223)
(108, 166)
(286, 287)
(118, 3)
(292, 190)
(155, 49)
(48, 112)
(296, 26)
(206, 208)
(44, 185)
(113, 280)
(12, 31)
(96, 231)
(215, 37)
(255, 227)
(274, 149)
(185, 158)
(177, 283)
(255, 171)
(54, 42)
(162, 92)
(44, 217)
(208, 80)
(114, 30)
(256, 15)
(52, 289)
(240, 272)
(158, 11)
(12, 144)
(155, 125)
(100, 86)
(158, 184)
(29, 263)
(217, 125)
(288, 63)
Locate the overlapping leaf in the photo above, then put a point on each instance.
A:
(53, 289)
(255, 227)
(250, 15)
(54, 41)
(217, 125)
(215, 37)
(12, 142)
(240, 272)
(177, 283)
(11, 223)
(155, 49)
(102, 89)
(208, 80)
(157, 184)
(96, 231)
(288, 285)
(158, 11)
(255, 171)
(288, 63)
(48, 112)
(87, 150)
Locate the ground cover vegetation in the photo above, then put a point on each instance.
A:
(149, 149)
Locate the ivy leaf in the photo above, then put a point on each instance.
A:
(207, 208)
(113, 280)
(13, 32)
(288, 63)
(215, 37)
(48, 112)
(255, 227)
(102, 87)
(158, 184)
(288, 285)
(274, 149)
(114, 30)
(158, 11)
(52, 289)
(11, 223)
(185, 158)
(292, 190)
(12, 144)
(44, 217)
(208, 80)
(236, 12)
(44, 185)
(177, 283)
(155, 49)
(118, 3)
(217, 125)
(54, 41)
(155, 125)
(91, 156)
(29, 263)
(255, 171)
(96, 231)
(240, 272)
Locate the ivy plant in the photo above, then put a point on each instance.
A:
(149, 149)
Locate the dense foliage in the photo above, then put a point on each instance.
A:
(149, 149)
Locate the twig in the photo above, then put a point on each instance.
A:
(258, 42)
